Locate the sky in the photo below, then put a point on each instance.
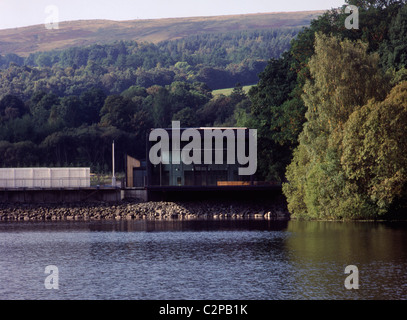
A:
(19, 13)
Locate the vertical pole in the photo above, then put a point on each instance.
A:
(113, 173)
(161, 174)
(126, 183)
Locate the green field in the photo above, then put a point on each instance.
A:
(228, 91)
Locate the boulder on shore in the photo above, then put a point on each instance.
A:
(134, 209)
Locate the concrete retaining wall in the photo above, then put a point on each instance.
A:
(135, 194)
(60, 196)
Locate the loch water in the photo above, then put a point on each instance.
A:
(221, 259)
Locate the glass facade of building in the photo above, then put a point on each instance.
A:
(218, 165)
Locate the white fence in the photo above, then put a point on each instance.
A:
(46, 178)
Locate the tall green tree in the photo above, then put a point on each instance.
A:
(374, 145)
(317, 185)
(394, 49)
(277, 115)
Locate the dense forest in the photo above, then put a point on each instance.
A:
(64, 108)
(332, 115)
(218, 60)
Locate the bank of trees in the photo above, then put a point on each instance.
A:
(219, 60)
(65, 107)
(48, 130)
(350, 162)
(332, 113)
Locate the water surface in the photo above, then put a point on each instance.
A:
(203, 259)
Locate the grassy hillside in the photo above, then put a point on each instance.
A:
(228, 91)
(23, 41)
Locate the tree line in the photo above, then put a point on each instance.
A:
(219, 60)
(48, 130)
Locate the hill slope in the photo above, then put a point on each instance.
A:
(23, 41)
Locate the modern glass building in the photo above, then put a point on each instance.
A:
(207, 157)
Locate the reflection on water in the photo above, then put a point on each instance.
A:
(202, 259)
(320, 251)
(148, 225)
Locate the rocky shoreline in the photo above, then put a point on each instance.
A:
(134, 209)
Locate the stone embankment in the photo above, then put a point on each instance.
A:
(134, 209)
